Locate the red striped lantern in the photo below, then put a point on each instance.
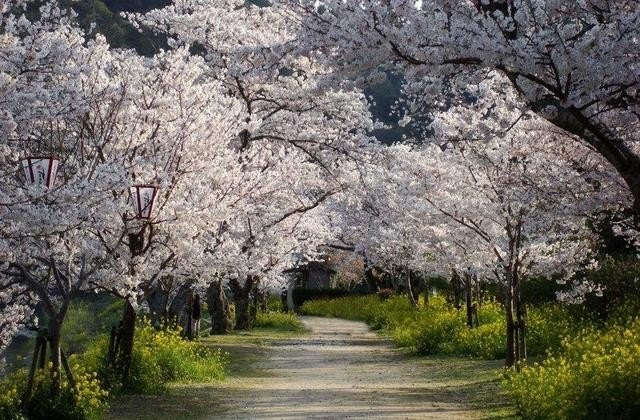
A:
(143, 198)
(40, 170)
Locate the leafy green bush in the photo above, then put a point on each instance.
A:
(279, 321)
(595, 376)
(84, 402)
(301, 295)
(440, 328)
(161, 357)
(274, 304)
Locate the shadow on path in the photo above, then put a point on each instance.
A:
(340, 370)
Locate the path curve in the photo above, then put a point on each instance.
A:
(341, 370)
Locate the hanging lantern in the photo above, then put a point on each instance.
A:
(143, 197)
(40, 170)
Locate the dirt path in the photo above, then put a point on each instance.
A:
(339, 370)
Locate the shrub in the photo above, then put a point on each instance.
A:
(487, 341)
(274, 304)
(84, 402)
(440, 328)
(596, 376)
(300, 295)
(160, 357)
(279, 321)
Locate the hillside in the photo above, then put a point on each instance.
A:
(119, 33)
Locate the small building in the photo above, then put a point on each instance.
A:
(314, 275)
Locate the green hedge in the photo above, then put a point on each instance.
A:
(279, 321)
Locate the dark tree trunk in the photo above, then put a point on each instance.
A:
(54, 330)
(127, 332)
(510, 354)
(468, 293)
(158, 300)
(372, 278)
(253, 308)
(410, 293)
(241, 298)
(456, 289)
(427, 290)
(128, 321)
(243, 319)
(218, 308)
(521, 350)
(177, 307)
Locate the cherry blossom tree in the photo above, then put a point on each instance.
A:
(295, 129)
(505, 209)
(113, 120)
(574, 64)
(46, 253)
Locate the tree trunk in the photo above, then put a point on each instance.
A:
(157, 299)
(509, 359)
(127, 332)
(475, 292)
(456, 292)
(468, 292)
(241, 297)
(371, 277)
(253, 308)
(521, 350)
(218, 308)
(412, 298)
(291, 306)
(426, 292)
(176, 309)
(243, 319)
(54, 330)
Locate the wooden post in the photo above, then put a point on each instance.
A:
(43, 350)
(32, 370)
(67, 369)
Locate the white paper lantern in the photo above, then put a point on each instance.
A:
(143, 198)
(40, 170)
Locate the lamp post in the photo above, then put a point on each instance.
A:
(143, 197)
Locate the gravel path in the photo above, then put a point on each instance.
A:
(340, 370)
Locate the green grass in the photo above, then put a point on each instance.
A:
(279, 321)
(440, 328)
(475, 381)
(203, 400)
(160, 357)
